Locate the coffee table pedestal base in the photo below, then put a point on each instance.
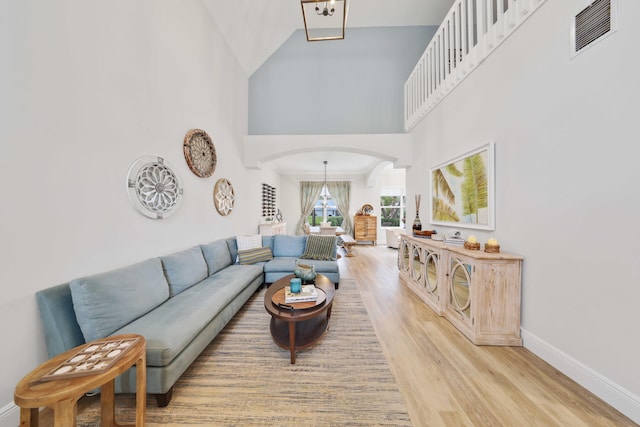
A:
(294, 336)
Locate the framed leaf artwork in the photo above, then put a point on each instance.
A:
(463, 190)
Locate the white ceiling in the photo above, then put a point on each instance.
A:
(254, 29)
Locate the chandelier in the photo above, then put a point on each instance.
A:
(324, 20)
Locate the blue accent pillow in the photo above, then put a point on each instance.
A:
(106, 302)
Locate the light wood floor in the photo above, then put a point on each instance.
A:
(448, 381)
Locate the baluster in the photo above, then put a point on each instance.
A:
(458, 24)
(499, 24)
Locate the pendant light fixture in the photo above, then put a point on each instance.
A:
(324, 20)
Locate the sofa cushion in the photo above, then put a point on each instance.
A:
(105, 302)
(252, 256)
(184, 269)
(232, 244)
(173, 325)
(288, 265)
(320, 248)
(290, 246)
(217, 255)
(267, 242)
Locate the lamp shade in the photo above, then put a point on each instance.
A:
(324, 20)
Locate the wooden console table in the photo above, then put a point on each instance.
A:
(61, 395)
(478, 292)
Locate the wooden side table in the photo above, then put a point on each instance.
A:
(61, 395)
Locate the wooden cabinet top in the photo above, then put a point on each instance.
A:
(479, 254)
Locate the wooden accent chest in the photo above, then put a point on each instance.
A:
(365, 228)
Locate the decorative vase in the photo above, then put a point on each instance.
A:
(417, 224)
(305, 272)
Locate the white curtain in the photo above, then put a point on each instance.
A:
(341, 193)
(309, 195)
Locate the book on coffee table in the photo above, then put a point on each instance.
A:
(307, 293)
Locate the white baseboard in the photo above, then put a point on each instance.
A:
(9, 415)
(618, 397)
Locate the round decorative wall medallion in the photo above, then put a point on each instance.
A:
(200, 153)
(154, 190)
(223, 196)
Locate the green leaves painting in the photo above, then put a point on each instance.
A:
(461, 190)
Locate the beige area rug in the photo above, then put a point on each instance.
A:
(243, 378)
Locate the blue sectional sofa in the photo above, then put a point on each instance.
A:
(179, 303)
(286, 250)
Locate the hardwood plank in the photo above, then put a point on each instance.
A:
(448, 381)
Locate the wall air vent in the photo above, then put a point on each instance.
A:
(592, 24)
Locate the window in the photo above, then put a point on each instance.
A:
(392, 207)
(334, 217)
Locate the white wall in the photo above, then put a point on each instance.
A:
(86, 88)
(361, 193)
(566, 185)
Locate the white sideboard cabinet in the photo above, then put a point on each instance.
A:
(478, 292)
(271, 229)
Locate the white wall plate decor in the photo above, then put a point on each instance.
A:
(223, 196)
(200, 153)
(154, 189)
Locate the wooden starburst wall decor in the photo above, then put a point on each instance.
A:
(200, 153)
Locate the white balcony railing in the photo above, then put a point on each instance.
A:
(469, 33)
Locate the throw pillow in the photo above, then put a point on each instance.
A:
(320, 248)
(248, 242)
(251, 256)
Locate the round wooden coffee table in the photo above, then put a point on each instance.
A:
(46, 386)
(300, 327)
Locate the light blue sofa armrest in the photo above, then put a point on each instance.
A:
(61, 329)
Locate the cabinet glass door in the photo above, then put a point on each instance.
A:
(403, 256)
(417, 263)
(460, 298)
(431, 279)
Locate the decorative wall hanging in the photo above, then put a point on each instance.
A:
(268, 201)
(223, 196)
(462, 190)
(200, 153)
(153, 189)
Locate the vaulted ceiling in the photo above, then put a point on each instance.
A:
(254, 29)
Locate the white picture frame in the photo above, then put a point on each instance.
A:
(463, 190)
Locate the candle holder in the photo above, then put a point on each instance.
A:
(472, 246)
(493, 249)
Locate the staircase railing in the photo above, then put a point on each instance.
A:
(469, 33)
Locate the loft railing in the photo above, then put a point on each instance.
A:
(469, 33)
